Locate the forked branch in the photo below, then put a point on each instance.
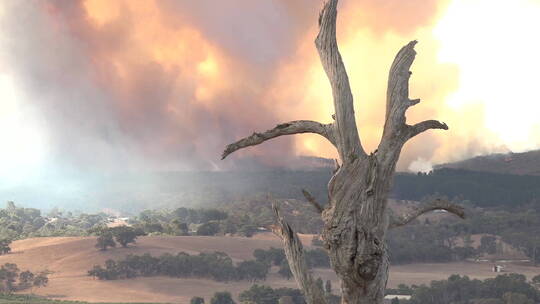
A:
(437, 204)
(295, 256)
(396, 131)
(397, 95)
(289, 128)
(326, 42)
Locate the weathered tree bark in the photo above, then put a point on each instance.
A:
(356, 217)
(295, 255)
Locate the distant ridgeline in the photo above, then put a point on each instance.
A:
(482, 189)
(201, 189)
(134, 192)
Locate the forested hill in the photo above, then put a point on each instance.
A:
(481, 188)
(216, 188)
(130, 194)
(527, 163)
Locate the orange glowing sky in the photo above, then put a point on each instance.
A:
(174, 82)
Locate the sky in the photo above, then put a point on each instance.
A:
(90, 87)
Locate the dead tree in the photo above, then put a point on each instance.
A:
(356, 217)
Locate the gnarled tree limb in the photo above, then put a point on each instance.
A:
(289, 128)
(437, 204)
(297, 262)
(397, 95)
(396, 131)
(356, 219)
(312, 200)
(349, 145)
(426, 125)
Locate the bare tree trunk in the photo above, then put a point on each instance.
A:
(356, 218)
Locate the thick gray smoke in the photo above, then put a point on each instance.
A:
(110, 105)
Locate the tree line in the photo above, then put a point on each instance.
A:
(478, 188)
(188, 221)
(216, 266)
(410, 244)
(12, 279)
(19, 223)
(519, 228)
(483, 189)
(262, 294)
(516, 225)
(503, 289)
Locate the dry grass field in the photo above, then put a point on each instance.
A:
(69, 258)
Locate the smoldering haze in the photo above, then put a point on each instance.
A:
(107, 110)
(132, 86)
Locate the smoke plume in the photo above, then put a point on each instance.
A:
(165, 85)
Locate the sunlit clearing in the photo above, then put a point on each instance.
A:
(496, 47)
(22, 148)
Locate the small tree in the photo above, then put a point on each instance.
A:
(210, 228)
(9, 274)
(196, 300)
(124, 235)
(222, 297)
(41, 279)
(26, 280)
(247, 230)
(4, 246)
(105, 240)
(97, 272)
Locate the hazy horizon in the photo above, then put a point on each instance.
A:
(93, 88)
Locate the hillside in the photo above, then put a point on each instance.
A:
(70, 257)
(482, 189)
(131, 192)
(527, 163)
